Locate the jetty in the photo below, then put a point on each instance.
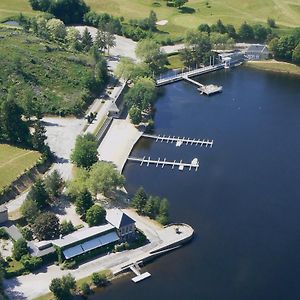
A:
(194, 164)
(204, 89)
(180, 140)
(137, 271)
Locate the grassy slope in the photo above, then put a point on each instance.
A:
(275, 66)
(56, 75)
(285, 12)
(13, 162)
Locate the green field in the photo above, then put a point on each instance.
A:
(285, 12)
(13, 162)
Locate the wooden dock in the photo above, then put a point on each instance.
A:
(204, 89)
(180, 140)
(194, 164)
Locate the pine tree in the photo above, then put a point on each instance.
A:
(87, 40)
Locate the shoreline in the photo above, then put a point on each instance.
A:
(274, 66)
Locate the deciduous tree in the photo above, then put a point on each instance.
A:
(95, 215)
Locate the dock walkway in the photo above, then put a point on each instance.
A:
(192, 73)
(180, 140)
(194, 164)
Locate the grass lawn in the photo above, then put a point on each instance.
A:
(175, 62)
(275, 66)
(13, 162)
(285, 12)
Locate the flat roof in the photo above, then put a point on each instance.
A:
(81, 235)
(95, 243)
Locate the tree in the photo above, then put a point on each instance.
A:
(100, 40)
(283, 47)
(260, 33)
(230, 29)
(152, 19)
(57, 29)
(19, 249)
(99, 279)
(85, 151)
(83, 202)
(246, 32)
(53, 184)
(85, 288)
(204, 28)
(271, 22)
(73, 38)
(69, 11)
(66, 227)
(78, 184)
(163, 214)
(135, 115)
(142, 94)
(110, 39)
(62, 288)
(39, 194)
(221, 41)
(86, 40)
(39, 136)
(14, 129)
(127, 69)
(95, 215)
(104, 178)
(199, 47)
(179, 3)
(139, 200)
(46, 226)
(296, 54)
(149, 51)
(30, 210)
(220, 27)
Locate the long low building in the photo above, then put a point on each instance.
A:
(87, 239)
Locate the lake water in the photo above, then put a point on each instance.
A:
(244, 201)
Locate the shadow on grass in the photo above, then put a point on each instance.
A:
(187, 10)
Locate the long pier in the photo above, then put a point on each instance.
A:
(194, 164)
(180, 140)
(192, 73)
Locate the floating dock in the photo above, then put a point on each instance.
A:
(194, 164)
(139, 276)
(180, 140)
(204, 89)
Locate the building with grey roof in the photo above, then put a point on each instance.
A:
(257, 52)
(122, 222)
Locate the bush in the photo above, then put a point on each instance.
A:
(66, 227)
(69, 265)
(99, 279)
(85, 288)
(31, 262)
(3, 234)
(20, 249)
(27, 233)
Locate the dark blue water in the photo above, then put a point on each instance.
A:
(244, 201)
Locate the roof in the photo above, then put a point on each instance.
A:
(82, 235)
(114, 108)
(118, 218)
(256, 48)
(91, 245)
(3, 208)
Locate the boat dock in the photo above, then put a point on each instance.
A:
(194, 164)
(204, 89)
(180, 140)
(137, 271)
(208, 89)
